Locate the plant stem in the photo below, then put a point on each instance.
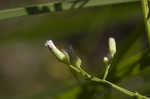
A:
(146, 17)
(96, 79)
(106, 71)
(78, 69)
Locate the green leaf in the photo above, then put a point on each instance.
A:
(54, 7)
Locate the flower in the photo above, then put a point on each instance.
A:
(59, 55)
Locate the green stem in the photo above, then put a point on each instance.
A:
(146, 17)
(96, 79)
(93, 78)
(106, 71)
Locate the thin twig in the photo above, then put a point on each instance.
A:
(106, 72)
(96, 79)
(146, 17)
(78, 69)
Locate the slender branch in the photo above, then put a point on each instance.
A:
(96, 79)
(106, 72)
(146, 17)
(78, 69)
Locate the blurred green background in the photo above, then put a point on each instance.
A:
(29, 71)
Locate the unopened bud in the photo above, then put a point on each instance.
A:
(73, 58)
(59, 55)
(112, 47)
(106, 60)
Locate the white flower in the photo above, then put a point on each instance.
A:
(59, 55)
(106, 60)
(50, 44)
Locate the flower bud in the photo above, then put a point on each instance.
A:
(73, 58)
(59, 55)
(106, 60)
(78, 62)
(112, 47)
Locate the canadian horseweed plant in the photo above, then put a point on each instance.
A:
(72, 61)
(75, 65)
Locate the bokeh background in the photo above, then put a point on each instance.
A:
(29, 71)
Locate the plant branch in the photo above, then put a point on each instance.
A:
(96, 79)
(145, 9)
(76, 67)
(106, 71)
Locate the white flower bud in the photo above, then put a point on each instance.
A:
(106, 60)
(50, 44)
(59, 55)
(112, 47)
